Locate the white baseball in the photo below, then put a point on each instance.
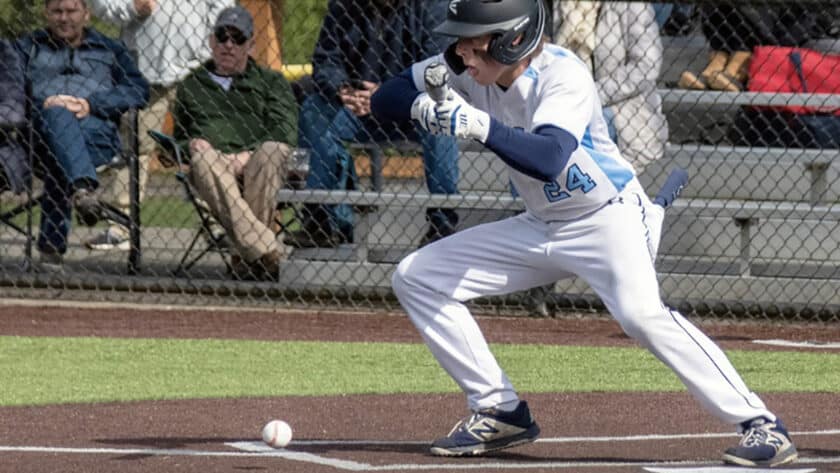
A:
(277, 434)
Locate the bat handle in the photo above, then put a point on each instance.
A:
(672, 188)
(436, 77)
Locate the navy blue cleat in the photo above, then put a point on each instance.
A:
(764, 443)
(488, 430)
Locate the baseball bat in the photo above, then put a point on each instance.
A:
(436, 77)
(672, 187)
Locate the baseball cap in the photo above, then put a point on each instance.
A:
(236, 17)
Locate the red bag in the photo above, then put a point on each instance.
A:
(795, 70)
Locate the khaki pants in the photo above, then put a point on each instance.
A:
(115, 185)
(246, 211)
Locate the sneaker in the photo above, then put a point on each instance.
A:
(88, 208)
(109, 240)
(764, 443)
(264, 268)
(217, 237)
(488, 430)
(50, 262)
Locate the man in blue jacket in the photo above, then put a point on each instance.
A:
(361, 44)
(81, 82)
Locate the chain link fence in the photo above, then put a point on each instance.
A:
(344, 196)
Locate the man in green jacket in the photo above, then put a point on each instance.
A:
(238, 122)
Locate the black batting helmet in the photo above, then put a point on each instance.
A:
(505, 20)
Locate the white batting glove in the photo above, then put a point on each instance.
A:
(457, 118)
(423, 112)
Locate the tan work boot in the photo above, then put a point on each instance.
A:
(717, 63)
(734, 75)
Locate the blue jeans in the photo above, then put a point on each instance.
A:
(325, 126)
(70, 150)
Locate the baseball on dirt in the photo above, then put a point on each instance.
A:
(277, 434)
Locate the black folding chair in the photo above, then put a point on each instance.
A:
(106, 211)
(216, 242)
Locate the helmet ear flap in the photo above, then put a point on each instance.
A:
(511, 46)
(501, 45)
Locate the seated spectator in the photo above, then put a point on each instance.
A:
(238, 120)
(81, 82)
(168, 38)
(620, 42)
(733, 29)
(361, 44)
(13, 161)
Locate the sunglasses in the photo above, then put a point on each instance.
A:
(223, 35)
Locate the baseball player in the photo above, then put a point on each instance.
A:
(535, 105)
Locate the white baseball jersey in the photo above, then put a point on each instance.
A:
(557, 89)
(573, 227)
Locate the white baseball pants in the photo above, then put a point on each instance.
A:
(611, 249)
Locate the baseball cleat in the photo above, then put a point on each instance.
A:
(764, 443)
(488, 430)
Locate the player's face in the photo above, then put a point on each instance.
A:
(66, 20)
(481, 67)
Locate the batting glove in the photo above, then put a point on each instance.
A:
(455, 117)
(423, 112)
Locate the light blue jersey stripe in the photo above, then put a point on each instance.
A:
(618, 175)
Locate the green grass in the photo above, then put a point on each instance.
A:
(46, 370)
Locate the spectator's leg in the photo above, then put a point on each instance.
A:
(75, 147)
(440, 164)
(323, 126)
(214, 180)
(663, 12)
(263, 175)
(55, 209)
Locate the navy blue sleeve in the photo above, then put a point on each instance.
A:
(13, 99)
(542, 154)
(392, 100)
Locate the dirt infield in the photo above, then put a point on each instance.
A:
(594, 432)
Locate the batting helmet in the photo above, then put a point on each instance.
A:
(505, 20)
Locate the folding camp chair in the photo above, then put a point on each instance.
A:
(107, 212)
(218, 242)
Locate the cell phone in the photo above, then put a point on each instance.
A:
(357, 84)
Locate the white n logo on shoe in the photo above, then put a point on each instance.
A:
(483, 430)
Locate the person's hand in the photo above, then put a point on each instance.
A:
(79, 106)
(363, 97)
(198, 145)
(83, 108)
(238, 161)
(358, 100)
(144, 8)
(66, 101)
(455, 117)
(347, 95)
(423, 112)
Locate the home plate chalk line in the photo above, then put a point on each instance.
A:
(249, 448)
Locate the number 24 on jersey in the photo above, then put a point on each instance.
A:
(575, 179)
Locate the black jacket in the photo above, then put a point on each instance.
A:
(374, 40)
